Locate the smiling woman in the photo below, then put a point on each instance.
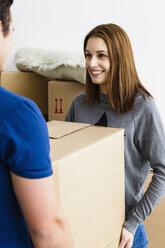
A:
(115, 97)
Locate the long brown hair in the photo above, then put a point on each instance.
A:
(123, 81)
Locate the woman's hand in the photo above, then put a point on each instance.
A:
(126, 239)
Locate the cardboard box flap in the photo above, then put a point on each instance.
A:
(59, 129)
(78, 140)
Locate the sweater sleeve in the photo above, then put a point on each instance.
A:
(150, 139)
(70, 114)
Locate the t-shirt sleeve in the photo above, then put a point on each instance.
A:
(25, 147)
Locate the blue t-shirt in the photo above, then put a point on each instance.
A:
(24, 150)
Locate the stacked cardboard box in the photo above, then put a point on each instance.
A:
(88, 164)
(60, 97)
(52, 97)
(28, 84)
(155, 223)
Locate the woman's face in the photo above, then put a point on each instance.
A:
(97, 62)
(6, 44)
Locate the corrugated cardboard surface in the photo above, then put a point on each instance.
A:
(89, 179)
(155, 223)
(28, 84)
(61, 95)
(59, 129)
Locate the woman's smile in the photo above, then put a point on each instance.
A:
(96, 73)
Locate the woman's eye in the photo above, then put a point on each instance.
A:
(87, 55)
(101, 55)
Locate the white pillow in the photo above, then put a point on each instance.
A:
(53, 64)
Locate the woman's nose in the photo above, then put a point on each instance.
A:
(93, 62)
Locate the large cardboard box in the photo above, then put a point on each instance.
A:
(61, 95)
(28, 84)
(155, 223)
(88, 164)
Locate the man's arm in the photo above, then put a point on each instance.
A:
(46, 222)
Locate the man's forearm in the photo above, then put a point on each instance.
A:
(56, 235)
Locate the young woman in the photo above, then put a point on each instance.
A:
(29, 209)
(115, 97)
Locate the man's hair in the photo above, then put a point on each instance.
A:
(5, 14)
(123, 83)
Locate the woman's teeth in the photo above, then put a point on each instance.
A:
(96, 73)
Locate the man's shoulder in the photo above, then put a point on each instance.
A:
(10, 103)
(9, 99)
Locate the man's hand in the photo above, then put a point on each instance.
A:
(126, 239)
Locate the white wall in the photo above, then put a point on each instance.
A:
(63, 24)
